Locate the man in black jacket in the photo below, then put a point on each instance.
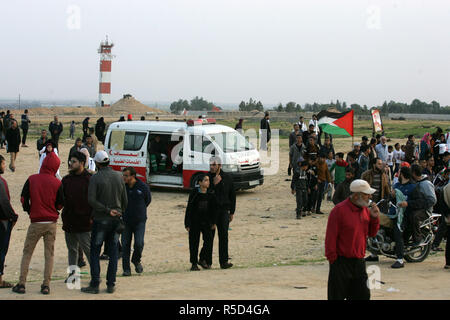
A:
(56, 128)
(8, 219)
(265, 131)
(77, 213)
(222, 185)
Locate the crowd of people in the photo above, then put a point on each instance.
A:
(101, 206)
(97, 205)
(412, 176)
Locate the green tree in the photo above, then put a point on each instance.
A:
(290, 106)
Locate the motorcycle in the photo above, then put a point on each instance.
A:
(383, 243)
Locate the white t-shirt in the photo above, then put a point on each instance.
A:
(390, 158)
(397, 156)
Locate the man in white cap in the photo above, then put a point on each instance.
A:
(107, 196)
(349, 224)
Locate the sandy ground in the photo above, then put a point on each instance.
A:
(271, 250)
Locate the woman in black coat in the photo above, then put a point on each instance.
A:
(13, 139)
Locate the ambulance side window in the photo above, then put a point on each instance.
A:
(133, 140)
(200, 144)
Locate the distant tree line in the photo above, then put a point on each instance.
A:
(251, 105)
(416, 106)
(196, 104)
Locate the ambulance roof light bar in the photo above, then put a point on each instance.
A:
(203, 121)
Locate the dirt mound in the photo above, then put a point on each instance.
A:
(130, 105)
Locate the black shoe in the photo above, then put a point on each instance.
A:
(110, 289)
(93, 290)
(372, 258)
(436, 249)
(104, 257)
(45, 289)
(319, 212)
(126, 273)
(19, 288)
(397, 265)
(81, 264)
(299, 216)
(226, 265)
(195, 267)
(204, 265)
(138, 267)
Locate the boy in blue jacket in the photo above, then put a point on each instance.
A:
(135, 217)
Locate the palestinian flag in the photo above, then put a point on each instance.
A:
(336, 122)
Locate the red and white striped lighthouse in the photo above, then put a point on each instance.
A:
(104, 98)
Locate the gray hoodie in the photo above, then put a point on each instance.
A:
(107, 192)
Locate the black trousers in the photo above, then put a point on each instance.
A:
(55, 139)
(442, 230)
(301, 197)
(414, 219)
(24, 136)
(312, 199)
(194, 241)
(348, 280)
(223, 222)
(320, 192)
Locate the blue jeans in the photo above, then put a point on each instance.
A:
(104, 231)
(5, 235)
(138, 230)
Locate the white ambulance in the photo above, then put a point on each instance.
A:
(190, 144)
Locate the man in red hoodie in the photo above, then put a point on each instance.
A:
(42, 196)
(349, 224)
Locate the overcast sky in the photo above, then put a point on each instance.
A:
(229, 50)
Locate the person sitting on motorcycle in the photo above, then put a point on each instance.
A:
(406, 186)
(419, 203)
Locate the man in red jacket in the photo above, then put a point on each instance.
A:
(42, 196)
(349, 224)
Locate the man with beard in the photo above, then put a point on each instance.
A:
(222, 185)
(77, 213)
(378, 180)
(343, 189)
(349, 224)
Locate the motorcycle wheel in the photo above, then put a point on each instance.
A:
(419, 256)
